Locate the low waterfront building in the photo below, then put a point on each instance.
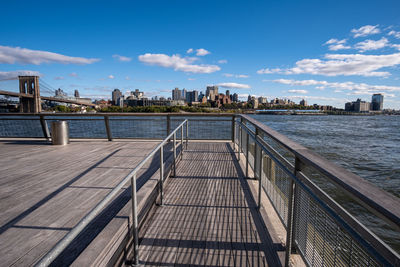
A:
(145, 102)
(358, 106)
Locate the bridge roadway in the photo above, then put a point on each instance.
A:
(209, 216)
(55, 99)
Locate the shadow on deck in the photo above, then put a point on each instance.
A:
(209, 216)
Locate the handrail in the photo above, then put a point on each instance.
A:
(117, 114)
(68, 238)
(365, 236)
(375, 199)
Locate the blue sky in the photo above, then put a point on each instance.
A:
(328, 52)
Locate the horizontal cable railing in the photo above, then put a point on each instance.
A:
(67, 239)
(320, 229)
(204, 126)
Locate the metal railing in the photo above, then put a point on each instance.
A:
(317, 227)
(117, 125)
(67, 239)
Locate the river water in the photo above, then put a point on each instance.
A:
(368, 146)
(365, 145)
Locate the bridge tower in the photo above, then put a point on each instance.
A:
(29, 85)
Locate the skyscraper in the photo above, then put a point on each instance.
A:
(303, 102)
(377, 102)
(211, 92)
(116, 94)
(235, 97)
(192, 96)
(176, 93)
(76, 93)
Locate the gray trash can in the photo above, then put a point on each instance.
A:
(59, 133)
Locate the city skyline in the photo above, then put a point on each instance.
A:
(286, 50)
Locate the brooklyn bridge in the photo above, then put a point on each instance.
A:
(30, 99)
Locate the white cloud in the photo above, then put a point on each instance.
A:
(297, 91)
(365, 30)
(234, 85)
(222, 61)
(371, 44)
(269, 71)
(122, 58)
(190, 50)
(395, 34)
(191, 79)
(358, 88)
(332, 41)
(127, 78)
(202, 52)
(110, 77)
(318, 98)
(59, 78)
(12, 75)
(336, 47)
(300, 82)
(73, 74)
(235, 75)
(12, 55)
(335, 44)
(342, 64)
(397, 46)
(177, 63)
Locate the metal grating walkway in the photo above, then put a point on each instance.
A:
(209, 216)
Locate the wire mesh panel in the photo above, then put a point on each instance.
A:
(22, 127)
(139, 127)
(206, 128)
(321, 241)
(252, 152)
(276, 185)
(83, 128)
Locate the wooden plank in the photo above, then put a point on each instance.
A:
(205, 205)
(45, 190)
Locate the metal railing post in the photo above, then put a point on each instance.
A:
(174, 154)
(168, 124)
(161, 174)
(247, 155)
(256, 158)
(182, 141)
(233, 129)
(45, 128)
(135, 236)
(291, 214)
(187, 133)
(108, 130)
(260, 180)
(240, 139)
(238, 127)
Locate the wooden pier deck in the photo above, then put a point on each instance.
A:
(45, 190)
(209, 217)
